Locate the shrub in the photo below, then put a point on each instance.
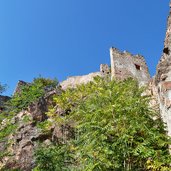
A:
(114, 126)
(53, 158)
(31, 93)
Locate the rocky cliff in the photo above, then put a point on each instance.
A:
(24, 141)
(163, 78)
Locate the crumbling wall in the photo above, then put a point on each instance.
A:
(72, 82)
(163, 78)
(105, 69)
(124, 65)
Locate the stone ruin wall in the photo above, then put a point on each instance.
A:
(72, 82)
(124, 65)
(163, 79)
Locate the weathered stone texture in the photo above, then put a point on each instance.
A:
(163, 79)
(72, 82)
(24, 140)
(164, 65)
(105, 69)
(125, 65)
(38, 110)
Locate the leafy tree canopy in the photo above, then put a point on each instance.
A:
(114, 129)
(30, 93)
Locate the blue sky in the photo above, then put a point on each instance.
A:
(61, 38)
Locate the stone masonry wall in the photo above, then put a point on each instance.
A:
(73, 81)
(124, 65)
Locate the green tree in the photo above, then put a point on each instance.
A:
(30, 93)
(115, 127)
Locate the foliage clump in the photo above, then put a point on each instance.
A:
(57, 157)
(32, 92)
(28, 94)
(114, 127)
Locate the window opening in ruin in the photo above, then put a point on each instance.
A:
(166, 51)
(137, 67)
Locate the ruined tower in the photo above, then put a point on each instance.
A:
(124, 65)
(163, 78)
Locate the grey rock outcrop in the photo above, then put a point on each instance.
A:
(27, 135)
(24, 140)
(72, 82)
(38, 110)
(163, 78)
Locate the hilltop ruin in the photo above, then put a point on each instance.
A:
(123, 65)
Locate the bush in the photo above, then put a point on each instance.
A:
(115, 127)
(31, 93)
(53, 158)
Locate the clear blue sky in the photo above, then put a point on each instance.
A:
(60, 38)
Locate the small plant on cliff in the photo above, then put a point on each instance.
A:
(28, 94)
(31, 93)
(114, 127)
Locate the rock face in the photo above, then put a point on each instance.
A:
(124, 65)
(38, 110)
(72, 82)
(163, 78)
(24, 141)
(27, 135)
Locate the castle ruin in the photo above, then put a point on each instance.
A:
(125, 65)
